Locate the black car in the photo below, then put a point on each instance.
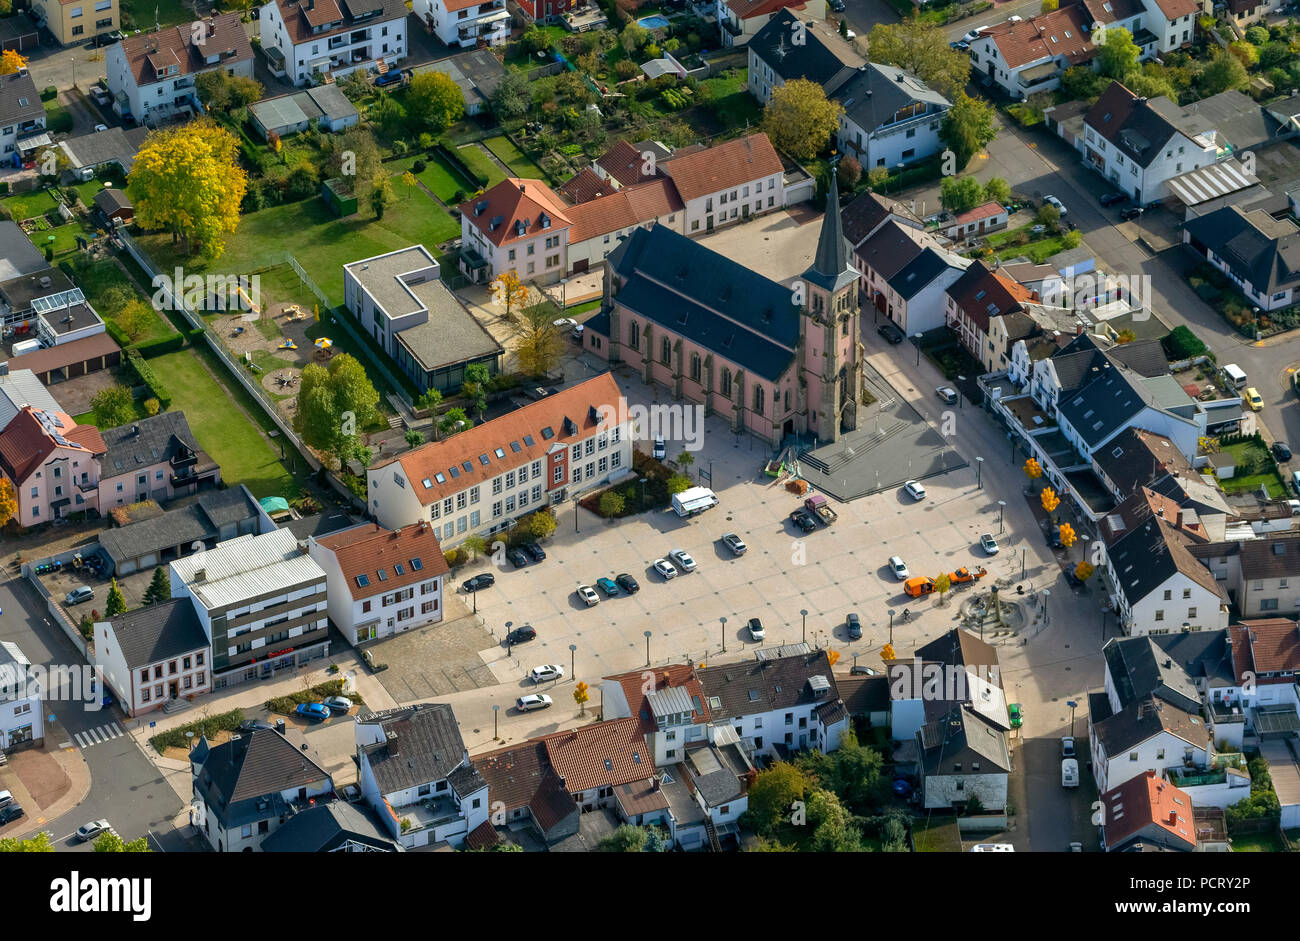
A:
(627, 583)
(1074, 581)
(521, 634)
(890, 333)
(854, 624)
(836, 5)
(534, 551)
(10, 812)
(482, 580)
(1280, 451)
(518, 557)
(255, 725)
(960, 45)
(1113, 199)
(804, 520)
(1132, 212)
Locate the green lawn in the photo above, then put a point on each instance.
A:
(445, 180)
(88, 418)
(482, 164)
(95, 280)
(1266, 842)
(65, 237)
(1255, 468)
(222, 430)
(139, 14)
(513, 158)
(939, 837)
(29, 205)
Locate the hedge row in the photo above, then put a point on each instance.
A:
(158, 347)
(450, 155)
(145, 374)
(175, 738)
(118, 334)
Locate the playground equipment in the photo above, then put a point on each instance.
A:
(287, 345)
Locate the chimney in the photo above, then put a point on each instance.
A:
(1179, 521)
(523, 188)
(393, 748)
(1173, 817)
(135, 429)
(201, 575)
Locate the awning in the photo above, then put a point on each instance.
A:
(1038, 72)
(1212, 182)
(495, 17)
(1275, 721)
(35, 142)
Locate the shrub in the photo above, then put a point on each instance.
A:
(419, 167)
(147, 377)
(152, 407)
(285, 704)
(1181, 343)
(175, 738)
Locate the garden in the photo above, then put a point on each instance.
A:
(1212, 286)
(1255, 467)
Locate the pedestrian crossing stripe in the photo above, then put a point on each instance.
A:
(98, 735)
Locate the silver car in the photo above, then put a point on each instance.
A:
(532, 701)
(683, 560)
(734, 543)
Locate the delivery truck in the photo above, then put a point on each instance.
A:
(693, 500)
(820, 508)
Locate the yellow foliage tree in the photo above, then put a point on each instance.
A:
(409, 178)
(1083, 571)
(832, 657)
(187, 181)
(887, 653)
(11, 61)
(1033, 470)
(8, 501)
(942, 582)
(1050, 500)
(581, 696)
(800, 119)
(1068, 535)
(508, 289)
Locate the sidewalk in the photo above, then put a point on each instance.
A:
(47, 782)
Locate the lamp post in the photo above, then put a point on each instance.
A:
(1072, 704)
(475, 594)
(573, 652)
(496, 709)
(891, 627)
(189, 742)
(1047, 618)
(962, 381)
(803, 612)
(509, 624)
(647, 647)
(710, 473)
(1002, 505)
(979, 473)
(1022, 563)
(917, 338)
(724, 633)
(643, 480)
(575, 514)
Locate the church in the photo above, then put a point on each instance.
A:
(774, 360)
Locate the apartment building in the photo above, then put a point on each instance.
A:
(262, 603)
(465, 23)
(381, 582)
(156, 458)
(22, 718)
(22, 118)
(77, 21)
(740, 20)
(305, 40)
(153, 655)
(482, 480)
(53, 464)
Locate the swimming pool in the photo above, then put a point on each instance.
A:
(653, 22)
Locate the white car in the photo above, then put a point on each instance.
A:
(101, 127)
(533, 701)
(588, 594)
(660, 449)
(974, 34)
(1014, 19)
(564, 322)
(547, 671)
(88, 831)
(734, 543)
(756, 631)
(1057, 205)
(683, 560)
(989, 544)
(947, 393)
(665, 568)
(914, 489)
(899, 568)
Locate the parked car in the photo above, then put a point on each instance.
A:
(627, 583)
(6, 798)
(1056, 204)
(313, 711)
(989, 544)
(660, 449)
(854, 625)
(518, 557)
(914, 489)
(588, 595)
(948, 394)
(756, 631)
(960, 45)
(664, 568)
(803, 520)
(1253, 399)
(565, 323)
(863, 671)
(734, 543)
(608, 586)
(10, 812)
(480, 581)
(1113, 199)
(1074, 581)
(1014, 19)
(533, 701)
(836, 5)
(547, 671)
(1016, 714)
(255, 725)
(1069, 772)
(899, 568)
(1280, 451)
(340, 704)
(1067, 746)
(683, 560)
(1131, 212)
(535, 552)
(974, 34)
(522, 634)
(88, 831)
(890, 333)
(78, 595)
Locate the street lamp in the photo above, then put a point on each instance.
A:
(891, 627)
(647, 647)
(575, 514)
(573, 651)
(724, 634)
(803, 612)
(962, 381)
(495, 710)
(1047, 618)
(1002, 505)
(1022, 563)
(979, 472)
(1072, 704)
(917, 338)
(643, 480)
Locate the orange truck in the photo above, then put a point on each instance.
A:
(921, 585)
(964, 574)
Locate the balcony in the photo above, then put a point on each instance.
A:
(732, 27)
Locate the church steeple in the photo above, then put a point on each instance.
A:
(830, 269)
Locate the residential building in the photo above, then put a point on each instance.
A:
(334, 827)
(465, 23)
(1143, 810)
(1149, 734)
(261, 601)
(22, 717)
(52, 310)
(20, 389)
(906, 274)
(1266, 659)
(955, 669)
(155, 458)
(1246, 12)
(1257, 573)
(53, 464)
(975, 299)
(18, 256)
(1182, 669)
(381, 582)
(1258, 253)
(548, 11)
(246, 788)
(151, 75)
(669, 704)
(740, 20)
(890, 116)
(415, 772)
(980, 221)
(743, 348)
(400, 300)
(727, 183)
(962, 757)
(528, 791)
(76, 22)
(482, 480)
(517, 225)
(324, 107)
(154, 655)
(306, 40)
(22, 119)
(94, 150)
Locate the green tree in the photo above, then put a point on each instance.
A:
(535, 39)
(37, 844)
(1071, 239)
(626, 839)
(1224, 73)
(772, 794)
(317, 416)
(434, 100)
(1151, 82)
(634, 36)
(353, 390)
(160, 587)
(1118, 55)
(677, 483)
(430, 400)
(112, 406)
(958, 194)
(512, 98)
(921, 48)
(414, 438)
(611, 504)
(997, 190)
(540, 524)
(381, 193)
(112, 843)
(453, 421)
(1048, 215)
(113, 299)
(800, 119)
(686, 459)
(1083, 82)
(539, 344)
(967, 127)
(833, 827)
(477, 377)
(116, 603)
(475, 545)
(764, 845)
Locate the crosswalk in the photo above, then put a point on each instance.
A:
(98, 735)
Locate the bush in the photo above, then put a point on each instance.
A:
(285, 704)
(154, 348)
(1181, 343)
(49, 93)
(175, 738)
(147, 377)
(418, 167)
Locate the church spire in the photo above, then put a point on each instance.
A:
(830, 268)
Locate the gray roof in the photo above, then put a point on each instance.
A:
(1139, 458)
(325, 827)
(451, 335)
(18, 256)
(823, 57)
(1145, 718)
(320, 524)
(110, 199)
(240, 780)
(19, 100)
(830, 268)
(715, 773)
(424, 745)
(180, 526)
(958, 741)
(873, 97)
(867, 213)
(116, 145)
(20, 389)
(1255, 246)
(147, 441)
(286, 111)
(756, 686)
(1145, 557)
(864, 695)
(330, 102)
(920, 271)
(158, 632)
(1104, 405)
(1144, 357)
(889, 251)
(1138, 668)
(1233, 115)
(1137, 127)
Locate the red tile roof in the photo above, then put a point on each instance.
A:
(624, 163)
(1143, 801)
(1266, 645)
(1176, 9)
(726, 165)
(983, 293)
(745, 9)
(1062, 32)
(25, 444)
(146, 52)
(987, 211)
(482, 836)
(369, 548)
(585, 186)
(512, 201)
(605, 754)
(438, 457)
(514, 774)
(624, 209)
(676, 674)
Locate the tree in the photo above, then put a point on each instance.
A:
(134, 317)
(1151, 82)
(475, 545)
(772, 794)
(1067, 535)
(1083, 571)
(477, 377)
(1033, 470)
(11, 61)
(187, 180)
(850, 172)
(967, 127)
(37, 844)
(8, 501)
(800, 119)
(922, 48)
(116, 603)
(1071, 239)
(858, 774)
(414, 438)
(942, 584)
(381, 193)
(512, 98)
(997, 190)
(634, 36)
(353, 390)
(112, 406)
(1048, 215)
(1049, 500)
(1083, 83)
(434, 100)
(1247, 54)
(354, 155)
(677, 483)
(539, 344)
(430, 400)
(959, 194)
(764, 845)
(453, 421)
(160, 587)
(539, 524)
(1118, 55)
(611, 504)
(1257, 35)
(1125, 336)
(1181, 343)
(581, 695)
(535, 39)
(219, 91)
(887, 653)
(1224, 73)
(317, 416)
(507, 288)
(113, 299)
(1050, 6)
(877, 177)
(686, 459)
(833, 827)
(626, 839)
(109, 842)
(325, 397)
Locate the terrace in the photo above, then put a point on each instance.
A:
(429, 812)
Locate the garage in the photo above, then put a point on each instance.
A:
(1285, 772)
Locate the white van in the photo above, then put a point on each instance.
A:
(1070, 772)
(6, 798)
(992, 848)
(1235, 376)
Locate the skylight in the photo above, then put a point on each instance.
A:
(363, 581)
(383, 575)
(397, 568)
(440, 478)
(548, 433)
(427, 482)
(484, 460)
(499, 453)
(528, 440)
(467, 467)
(454, 471)
(416, 565)
(514, 446)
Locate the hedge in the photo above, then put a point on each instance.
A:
(285, 705)
(118, 334)
(175, 738)
(144, 372)
(158, 347)
(450, 155)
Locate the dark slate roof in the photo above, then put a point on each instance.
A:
(1098, 707)
(889, 251)
(159, 632)
(1139, 458)
(1268, 258)
(830, 268)
(1103, 405)
(1144, 357)
(465, 780)
(874, 96)
(1205, 655)
(1131, 124)
(828, 62)
(1277, 556)
(18, 256)
(427, 747)
(1143, 719)
(199, 521)
(1146, 556)
(709, 299)
(326, 827)
(958, 647)
(1139, 668)
(147, 442)
(19, 99)
(110, 199)
(917, 273)
(237, 775)
(963, 738)
(321, 524)
(864, 695)
(758, 686)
